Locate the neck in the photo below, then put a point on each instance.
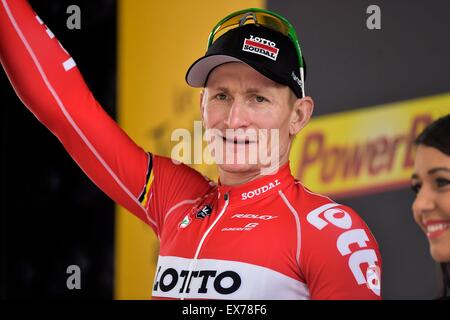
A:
(230, 178)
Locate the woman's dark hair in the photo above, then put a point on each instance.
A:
(437, 135)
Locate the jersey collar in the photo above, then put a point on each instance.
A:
(257, 189)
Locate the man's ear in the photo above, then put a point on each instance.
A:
(301, 113)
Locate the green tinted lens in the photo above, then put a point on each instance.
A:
(259, 18)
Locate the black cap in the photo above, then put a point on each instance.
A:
(265, 50)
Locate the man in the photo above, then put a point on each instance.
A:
(257, 233)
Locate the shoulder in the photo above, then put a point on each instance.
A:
(335, 237)
(328, 226)
(176, 171)
(320, 211)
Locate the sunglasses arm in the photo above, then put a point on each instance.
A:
(302, 76)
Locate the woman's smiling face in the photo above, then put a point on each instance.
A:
(431, 182)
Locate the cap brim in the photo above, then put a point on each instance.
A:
(199, 71)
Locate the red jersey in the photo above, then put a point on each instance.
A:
(270, 238)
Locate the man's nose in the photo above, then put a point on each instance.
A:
(237, 115)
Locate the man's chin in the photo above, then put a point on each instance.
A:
(238, 168)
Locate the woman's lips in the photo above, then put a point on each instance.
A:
(435, 228)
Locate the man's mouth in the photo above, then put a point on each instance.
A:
(238, 141)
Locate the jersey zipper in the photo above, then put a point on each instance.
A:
(193, 263)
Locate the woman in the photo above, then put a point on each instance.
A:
(431, 183)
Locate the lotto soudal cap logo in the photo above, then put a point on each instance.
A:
(205, 211)
(261, 46)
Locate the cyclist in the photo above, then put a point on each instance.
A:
(257, 233)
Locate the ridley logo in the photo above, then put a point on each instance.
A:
(261, 46)
(260, 190)
(254, 216)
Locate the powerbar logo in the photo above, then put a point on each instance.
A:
(371, 157)
(261, 46)
(169, 279)
(364, 151)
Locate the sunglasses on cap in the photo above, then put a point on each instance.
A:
(265, 18)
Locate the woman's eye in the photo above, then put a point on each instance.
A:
(442, 182)
(416, 187)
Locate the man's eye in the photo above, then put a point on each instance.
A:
(221, 96)
(442, 182)
(260, 99)
(416, 187)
